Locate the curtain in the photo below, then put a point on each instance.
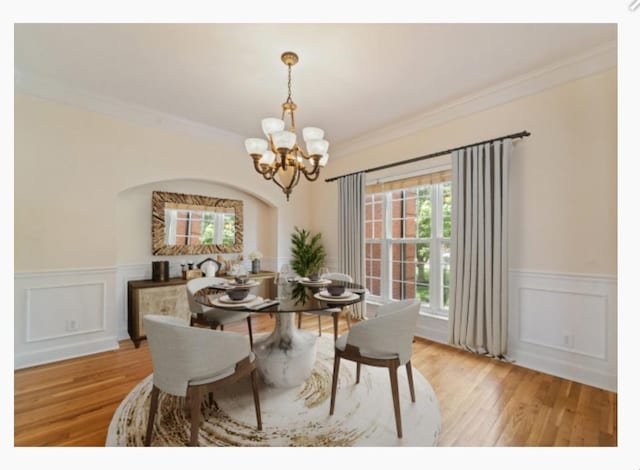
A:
(478, 309)
(351, 198)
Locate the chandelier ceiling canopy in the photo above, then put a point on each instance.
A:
(278, 157)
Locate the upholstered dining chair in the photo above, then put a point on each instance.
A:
(334, 312)
(189, 362)
(383, 341)
(211, 316)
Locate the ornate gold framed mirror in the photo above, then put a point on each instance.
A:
(188, 224)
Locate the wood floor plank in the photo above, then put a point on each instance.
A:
(483, 402)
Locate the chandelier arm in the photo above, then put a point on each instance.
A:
(260, 168)
(303, 154)
(311, 175)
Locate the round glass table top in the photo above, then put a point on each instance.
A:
(293, 296)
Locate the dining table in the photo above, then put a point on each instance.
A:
(285, 357)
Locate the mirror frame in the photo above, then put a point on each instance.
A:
(160, 199)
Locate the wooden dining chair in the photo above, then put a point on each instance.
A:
(191, 362)
(383, 341)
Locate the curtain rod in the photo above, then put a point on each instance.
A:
(518, 135)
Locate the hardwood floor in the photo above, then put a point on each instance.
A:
(483, 402)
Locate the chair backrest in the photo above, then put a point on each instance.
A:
(339, 277)
(194, 285)
(181, 353)
(390, 332)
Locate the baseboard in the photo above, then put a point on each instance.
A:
(64, 352)
(566, 370)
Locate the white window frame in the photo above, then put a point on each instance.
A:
(436, 240)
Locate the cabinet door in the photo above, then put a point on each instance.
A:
(164, 300)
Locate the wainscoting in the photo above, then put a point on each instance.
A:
(561, 324)
(63, 314)
(565, 325)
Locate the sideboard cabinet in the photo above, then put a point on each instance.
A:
(170, 298)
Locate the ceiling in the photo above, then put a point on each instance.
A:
(351, 79)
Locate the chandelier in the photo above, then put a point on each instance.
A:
(279, 158)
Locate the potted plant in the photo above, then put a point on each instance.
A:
(307, 253)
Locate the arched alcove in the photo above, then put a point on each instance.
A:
(133, 221)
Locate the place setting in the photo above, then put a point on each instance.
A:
(316, 279)
(336, 293)
(236, 297)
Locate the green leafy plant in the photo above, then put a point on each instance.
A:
(307, 252)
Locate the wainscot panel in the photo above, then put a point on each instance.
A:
(565, 325)
(63, 314)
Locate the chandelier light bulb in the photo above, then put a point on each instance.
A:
(323, 161)
(284, 139)
(312, 133)
(272, 125)
(267, 158)
(256, 146)
(317, 147)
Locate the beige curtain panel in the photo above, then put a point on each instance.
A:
(478, 310)
(351, 232)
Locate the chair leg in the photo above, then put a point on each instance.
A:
(256, 397)
(347, 315)
(299, 320)
(334, 383)
(393, 375)
(319, 325)
(335, 326)
(410, 377)
(152, 415)
(358, 365)
(250, 331)
(196, 398)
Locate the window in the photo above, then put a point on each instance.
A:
(408, 241)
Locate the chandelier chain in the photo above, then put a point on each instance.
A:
(289, 100)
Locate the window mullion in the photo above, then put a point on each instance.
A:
(436, 230)
(386, 254)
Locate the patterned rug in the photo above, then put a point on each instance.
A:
(291, 417)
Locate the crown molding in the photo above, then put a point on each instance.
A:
(53, 90)
(574, 68)
(552, 75)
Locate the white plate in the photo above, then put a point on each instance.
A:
(344, 295)
(334, 298)
(307, 282)
(225, 299)
(246, 284)
(243, 304)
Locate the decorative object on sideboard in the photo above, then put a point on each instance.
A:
(189, 271)
(189, 224)
(279, 158)
(255, 257)
(160, 271)
(227, 262)
(209, 266)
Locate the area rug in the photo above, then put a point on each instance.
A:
(291, 417)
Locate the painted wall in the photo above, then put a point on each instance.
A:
(71, 165)
(83, 183)
(562, 210)
(562, 220)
